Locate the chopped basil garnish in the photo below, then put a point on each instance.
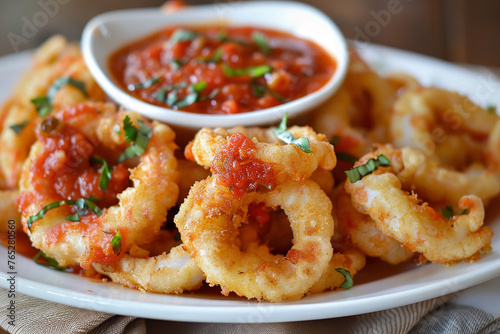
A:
(210, 96)
(176, 64)
(346, 157)
(187, 100)
(146, 84)
(357, 173)
(222, 37)
(447, 212)
(17, 128)
(107, 232)
(259, 91)
(288, 138)
(348, 278)
(177, 237)
(491, 109)
(138, 136)
(105, 173)
(83, 204)
(65, 81)
(342, 155)
(182, 35)
(43, 104)
(335, 140)
(52, 263)
(199, 87)
(171, 98)
(116, 242)
(261, 41)
(217, 56)
(193, 96)
(253, 71)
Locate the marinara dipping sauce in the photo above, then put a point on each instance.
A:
(221, 69)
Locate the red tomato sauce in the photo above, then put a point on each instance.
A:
(236, 166)
(221, 70)
(66, 172)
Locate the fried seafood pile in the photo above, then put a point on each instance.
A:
(391, 170)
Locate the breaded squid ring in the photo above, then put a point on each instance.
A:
(55, 59)
(208, 222)
(416, 225)
(445, 125)
(349, 259)
(288, 160)
(440, 184)
(362, 231)
(66, 142)
(172, 272)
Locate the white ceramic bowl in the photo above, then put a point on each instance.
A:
(108, 32)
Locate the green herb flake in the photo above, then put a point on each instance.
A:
(357, 173)
(18, 128)
(335, 140)
(129, 129)
(175, 64)
(285, 136)
(83, 204)
(171, 98)
(259, 91)
(447, 212)
(346, 157)
(43, 104)
(491, 109)
(252, 71)
(464, 212)
(216, 57)
(116, 242)
(210, 96)
(65, 81)
(187, 100)
(177, 237)
(199, 86)
(146, 84)
(73, 218)
(51, 263)
(261, 41)
(182, 35)
(105, 173)
(348, 282)
(138, 136)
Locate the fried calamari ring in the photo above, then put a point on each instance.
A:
(372, 96)
(439, 184)
(59, 168)
(349, 259)
(446, 126)
(289, 161)
(417, 225)
(56, 58)
(172, 271)
(334, 120)
(362, 231)
(208, 221)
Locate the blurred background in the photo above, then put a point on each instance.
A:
(462, 31)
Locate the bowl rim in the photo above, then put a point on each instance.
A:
(92, 32)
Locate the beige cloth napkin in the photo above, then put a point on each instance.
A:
(437, 315)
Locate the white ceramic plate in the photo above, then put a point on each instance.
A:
(411, 284)
(107, 32)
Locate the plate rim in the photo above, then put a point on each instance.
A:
(280, 311)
